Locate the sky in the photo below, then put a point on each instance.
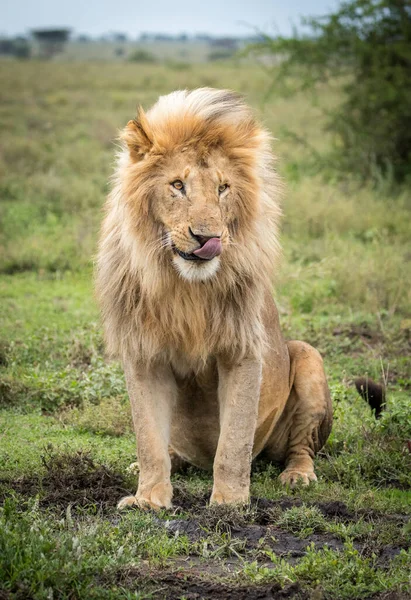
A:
(217, 17)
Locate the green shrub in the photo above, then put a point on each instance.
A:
(367, 43)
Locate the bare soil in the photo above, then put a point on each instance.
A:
(76, 479)
(177, 585)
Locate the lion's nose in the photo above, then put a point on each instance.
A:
(201, 238)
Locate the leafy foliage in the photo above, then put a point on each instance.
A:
(367, 43)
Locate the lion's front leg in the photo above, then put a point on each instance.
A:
(239, 391)
(152, 393)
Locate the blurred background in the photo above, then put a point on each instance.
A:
(185, 31)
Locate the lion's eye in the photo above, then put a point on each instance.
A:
(179, 185)
(222, 187)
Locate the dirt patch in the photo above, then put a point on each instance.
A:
(265, 512)
(283, 543)
(81, 354)
(260, 511)
(192, 529)
(364, 338)
(180, 584)
(74, 479)
(401, 377)
(336, 510)
(188, 502)
(241, 540)
(387, 554)
(257, 528)
(248, 529)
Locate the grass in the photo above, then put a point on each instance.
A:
(66, 439)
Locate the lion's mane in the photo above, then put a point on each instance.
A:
(149, 311)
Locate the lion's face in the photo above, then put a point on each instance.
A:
(192, 180)
(195, 204)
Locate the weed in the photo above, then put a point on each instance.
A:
(303, 520)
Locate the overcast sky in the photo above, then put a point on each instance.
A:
(133, 17)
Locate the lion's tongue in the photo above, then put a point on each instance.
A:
(211, 248)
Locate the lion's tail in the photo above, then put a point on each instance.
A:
(373, 393)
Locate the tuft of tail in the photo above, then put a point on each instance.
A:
(373, 393)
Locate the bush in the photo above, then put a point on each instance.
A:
(367, 43)
(142, 56)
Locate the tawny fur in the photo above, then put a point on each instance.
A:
(148, 309)
(213, 324)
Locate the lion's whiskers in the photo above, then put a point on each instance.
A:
(158, 244)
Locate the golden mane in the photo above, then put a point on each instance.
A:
(149, 311)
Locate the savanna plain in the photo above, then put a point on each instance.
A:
(66, 440)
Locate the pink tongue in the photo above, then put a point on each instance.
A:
(211, 248)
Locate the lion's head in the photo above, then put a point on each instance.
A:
(188, 245)
(193, 178)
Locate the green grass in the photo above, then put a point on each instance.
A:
(66, 439)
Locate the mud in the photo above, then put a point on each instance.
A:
(229, 534)
(282, 543)
(74, 479)
(177, 585)
(263, 511)
(255, 528)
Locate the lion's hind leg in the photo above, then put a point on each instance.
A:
(305, 424)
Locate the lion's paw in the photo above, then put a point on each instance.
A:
(228, 498)
(293, 477)
(127, 501)
(159, 497)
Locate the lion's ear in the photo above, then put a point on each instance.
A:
(136, 134)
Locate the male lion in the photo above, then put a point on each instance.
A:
(186, 254)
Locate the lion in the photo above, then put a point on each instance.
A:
(184, 273)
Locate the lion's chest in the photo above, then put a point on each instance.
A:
(188, 329)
